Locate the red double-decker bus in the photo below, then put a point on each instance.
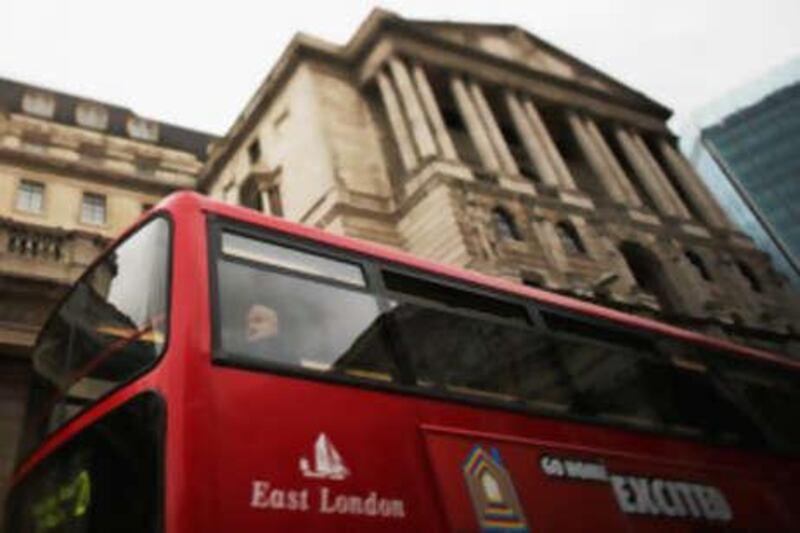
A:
(219, 370)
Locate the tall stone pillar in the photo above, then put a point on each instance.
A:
(595, 157)
(397, 123)
(644, 171)
(711, 211)
(422, 134)
(622, 178)
(475, 127)
(663, 181)
(501, 149)
(428, 97)
(533, 145)
(556, 161)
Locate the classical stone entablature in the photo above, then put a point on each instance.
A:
(485, 147)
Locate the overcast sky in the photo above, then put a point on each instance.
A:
(196, 63)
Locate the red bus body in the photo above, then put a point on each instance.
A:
(235, 437)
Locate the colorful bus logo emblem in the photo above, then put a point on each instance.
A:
(493, 496)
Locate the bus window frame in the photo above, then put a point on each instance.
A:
(165, 215)
(405, 384)
(216, 227)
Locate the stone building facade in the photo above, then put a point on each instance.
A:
(484, 147)
(73, 173)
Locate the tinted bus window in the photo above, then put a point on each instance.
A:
(107, 478)
(478, 356)
(269, 317)
(775, 397)
(609, 382)
(110, 328)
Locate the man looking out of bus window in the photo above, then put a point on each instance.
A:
(262, 323)
(262, 334)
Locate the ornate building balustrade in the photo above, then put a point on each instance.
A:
(32, 251)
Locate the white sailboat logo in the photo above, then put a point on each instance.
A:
(328, 462)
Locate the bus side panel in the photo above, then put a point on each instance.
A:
(508, 483)
(293, 454)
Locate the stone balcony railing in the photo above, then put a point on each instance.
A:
(46, 254)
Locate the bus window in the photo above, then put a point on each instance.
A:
(691, 402)
(107, 478)
(608, 382)
(111, 327)
(283, 257)
(269, 317)
(774, 396)
(480, 357)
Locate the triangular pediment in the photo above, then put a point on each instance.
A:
(516, 45)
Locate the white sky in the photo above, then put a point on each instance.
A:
(195, 63)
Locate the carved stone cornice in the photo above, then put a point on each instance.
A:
(92, 171)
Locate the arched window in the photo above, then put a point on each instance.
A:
(504, 224)
(570, 240)
(649, 273)
(750, 276)
(250, 195)
(699, 265)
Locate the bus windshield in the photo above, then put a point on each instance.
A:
(110, 328)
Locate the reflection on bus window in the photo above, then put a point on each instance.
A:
(775, 397)
(499, 360)
(275, 318)
(111, 327)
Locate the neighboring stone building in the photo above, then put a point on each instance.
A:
(73, 173)
(484, 147)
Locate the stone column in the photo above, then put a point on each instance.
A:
(644, 172)
(551, 246)
(495, 135)
(693, 184)
(397, 123)
(595, 157)
(622, 178)
(663, 181)
(562, 172)
(416, 117)
(448, 149)
(530, 141)
(475, 128)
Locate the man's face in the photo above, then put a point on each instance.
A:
(262, 323)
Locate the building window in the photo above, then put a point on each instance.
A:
(570, 240)
(750, 276)
(699, 265)
(274, 199)
(39, 104)
(144, 130)
(93, 209)
(91, 116)
(649, 273)
(504, 225)
(30, 196)
(254, 151)
(250, 195)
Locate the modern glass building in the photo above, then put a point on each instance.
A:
(749, 154)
